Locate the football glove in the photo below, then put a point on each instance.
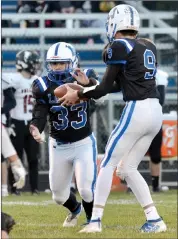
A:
(11, 131)
(19, 173)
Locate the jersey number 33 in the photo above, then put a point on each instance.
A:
(63, 116)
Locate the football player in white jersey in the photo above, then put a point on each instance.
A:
(8, 151)
(27, 64)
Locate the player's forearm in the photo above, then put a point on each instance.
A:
(106, 85)
(39, 117)
(115, 88)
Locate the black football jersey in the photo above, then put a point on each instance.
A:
(66, 123)
(131, 64)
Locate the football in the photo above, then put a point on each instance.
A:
(60, 91)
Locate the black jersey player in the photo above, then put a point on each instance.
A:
(131, 66)
(72, 145)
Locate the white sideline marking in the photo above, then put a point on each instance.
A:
(50, 202)
(111, 202)
(27, 203)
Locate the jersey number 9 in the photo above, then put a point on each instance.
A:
(149, 63)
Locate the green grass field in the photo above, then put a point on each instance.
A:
(40, 217)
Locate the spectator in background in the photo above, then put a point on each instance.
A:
(99, 7)
(43, 6)
(37, 7)
(27, 64)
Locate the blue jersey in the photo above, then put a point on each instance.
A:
(131, 66)
(67, 123)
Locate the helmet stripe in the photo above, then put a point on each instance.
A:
(56, 49)
(132, 16)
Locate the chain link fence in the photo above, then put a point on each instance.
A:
(100, 121)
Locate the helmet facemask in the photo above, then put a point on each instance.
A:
(60, 61)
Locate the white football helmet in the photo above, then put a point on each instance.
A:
(62, 52)
(122, 17)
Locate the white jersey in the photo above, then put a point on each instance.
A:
(5, 84)
(23, 95)
(161, 78)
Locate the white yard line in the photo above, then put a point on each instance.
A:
(111, 202)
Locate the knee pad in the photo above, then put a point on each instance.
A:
(86, 194)
(156, 160)
(60, 197)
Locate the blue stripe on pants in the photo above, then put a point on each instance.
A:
(117, 127)
(119, 135)
(94, 162)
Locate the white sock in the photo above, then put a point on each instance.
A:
(4, 187)
(139, 187)
(102, 190)
(151, 213)
(97, 213)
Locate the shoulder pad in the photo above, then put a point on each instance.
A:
(90, 73)
(118, 51)
(9, 80)
(40, 86)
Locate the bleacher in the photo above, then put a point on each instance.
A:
(8, 6)
(16, 38)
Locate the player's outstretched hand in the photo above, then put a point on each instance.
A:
(36, 134)
(80, 76)
(70, 98)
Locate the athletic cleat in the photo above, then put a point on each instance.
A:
(71, 219)
(93, 227)
(86, 223)
(154, 226)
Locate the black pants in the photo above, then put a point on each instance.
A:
(24, 141)
(155, 148)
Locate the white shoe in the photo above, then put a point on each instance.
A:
(154, 226)
(71, 219)
(93, 227)
(4, 193)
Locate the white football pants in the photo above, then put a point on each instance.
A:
(79, 157)
(7, 147)
(126, 147)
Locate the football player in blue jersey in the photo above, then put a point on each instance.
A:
(72, 145)
(131, 66)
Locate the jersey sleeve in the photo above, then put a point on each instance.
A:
(9, 81)
(39, 87)
(40, 110)
(118, 52)
(13, 79)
